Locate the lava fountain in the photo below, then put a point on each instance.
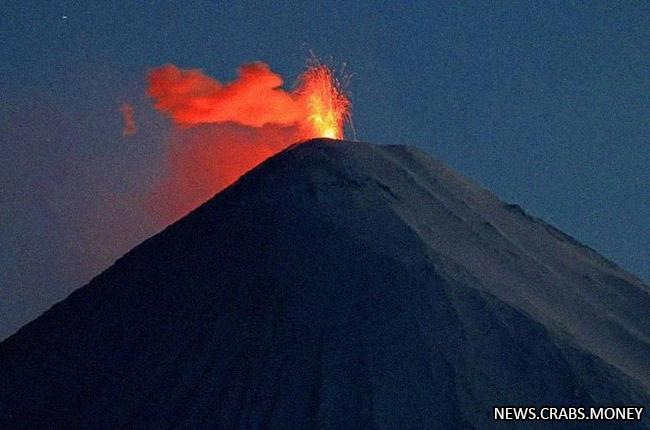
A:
(327, 105)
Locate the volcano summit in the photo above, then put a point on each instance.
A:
(338, 285)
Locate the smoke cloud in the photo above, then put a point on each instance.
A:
(254, 99)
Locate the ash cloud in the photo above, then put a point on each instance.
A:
(254, 99)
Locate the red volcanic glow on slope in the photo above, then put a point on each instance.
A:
(225, 129)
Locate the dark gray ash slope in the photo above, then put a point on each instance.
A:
(337, 285)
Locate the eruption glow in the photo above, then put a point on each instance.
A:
(225, 129)
(317, 106)
(327, 105)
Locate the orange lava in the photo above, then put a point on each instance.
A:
(326, 104)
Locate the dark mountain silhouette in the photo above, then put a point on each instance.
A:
(338, 285)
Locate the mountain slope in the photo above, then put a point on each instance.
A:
(337, 285)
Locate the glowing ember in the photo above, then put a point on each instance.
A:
(327, 105)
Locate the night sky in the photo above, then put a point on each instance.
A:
(545, 103)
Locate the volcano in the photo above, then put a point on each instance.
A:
(337, 285)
